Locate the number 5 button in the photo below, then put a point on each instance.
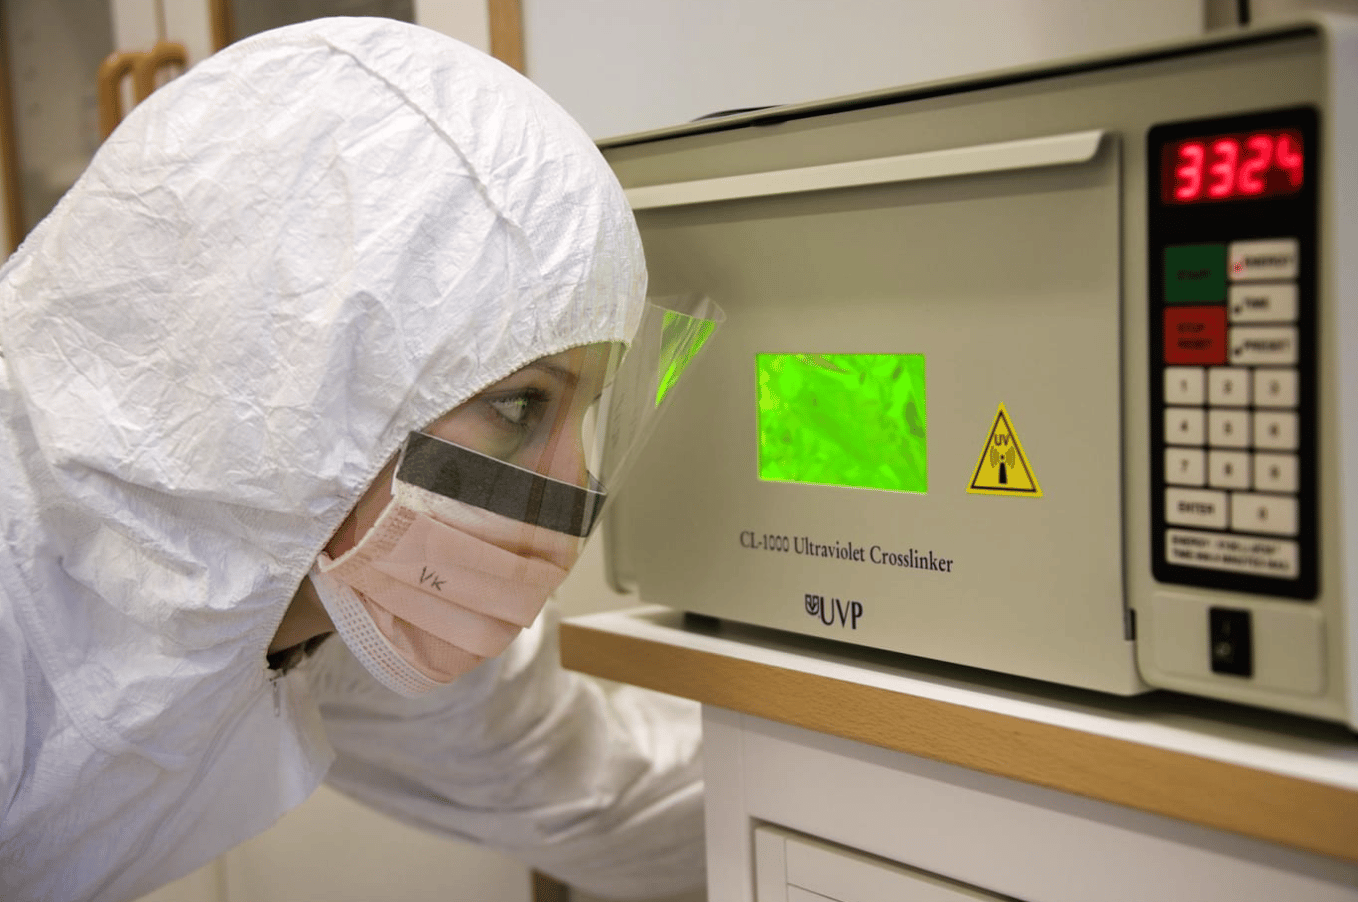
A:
(1228, 428)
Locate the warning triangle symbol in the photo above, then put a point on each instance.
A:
(1003, 468)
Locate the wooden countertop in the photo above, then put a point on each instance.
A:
(1285, 780)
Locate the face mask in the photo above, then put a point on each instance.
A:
(438, 585)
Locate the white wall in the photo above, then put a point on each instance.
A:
(466, 20)
(55, 48)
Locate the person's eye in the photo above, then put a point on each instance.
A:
(519, 410)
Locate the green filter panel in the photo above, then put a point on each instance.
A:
(853, 420)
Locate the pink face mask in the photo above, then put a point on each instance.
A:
(440, 583)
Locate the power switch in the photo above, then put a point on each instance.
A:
(1229, 643)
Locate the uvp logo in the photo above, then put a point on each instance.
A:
(832, 611)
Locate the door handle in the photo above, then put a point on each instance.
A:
(1028, 153)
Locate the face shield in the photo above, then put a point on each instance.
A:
(547, 445)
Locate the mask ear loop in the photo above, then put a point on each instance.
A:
(364, 640)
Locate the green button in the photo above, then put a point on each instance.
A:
(1194, 273)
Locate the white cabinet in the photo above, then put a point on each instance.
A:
(792, 811)
(857, 776)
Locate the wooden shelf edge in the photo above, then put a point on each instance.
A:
(1276, 808)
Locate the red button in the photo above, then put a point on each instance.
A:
(1195, 335)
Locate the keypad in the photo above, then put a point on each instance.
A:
(1232, 397)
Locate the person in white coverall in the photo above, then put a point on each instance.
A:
(281, 270)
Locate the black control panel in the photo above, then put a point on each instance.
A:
(1233, 307)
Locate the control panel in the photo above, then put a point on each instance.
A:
(1232, 297)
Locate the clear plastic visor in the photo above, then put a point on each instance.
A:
(548, 444)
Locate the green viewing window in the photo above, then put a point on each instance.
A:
(853, 420)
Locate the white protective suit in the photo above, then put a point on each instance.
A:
(280, 264)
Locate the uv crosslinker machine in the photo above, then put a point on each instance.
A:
(1052, 371)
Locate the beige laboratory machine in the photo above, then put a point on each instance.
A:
(1050, 371)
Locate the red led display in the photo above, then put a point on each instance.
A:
(1232, 167)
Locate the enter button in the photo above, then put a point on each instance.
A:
(1195, 507)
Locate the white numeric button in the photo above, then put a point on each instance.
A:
(1275, 472)
(1185, 466)
(1275, 430)
(1184, 426)
(1228, 386)
(1183, 385)
(1196, 507)
(1276, 388)
(1228, 428)
(1228, 469)
(1275, 515)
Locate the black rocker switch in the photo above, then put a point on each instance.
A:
(1229, 643)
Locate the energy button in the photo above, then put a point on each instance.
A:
(1262, 261)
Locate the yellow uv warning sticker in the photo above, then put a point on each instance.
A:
(1003, 468)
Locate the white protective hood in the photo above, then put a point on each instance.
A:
(279, 264)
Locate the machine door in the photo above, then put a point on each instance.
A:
(908, 432)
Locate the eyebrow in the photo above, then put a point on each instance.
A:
(569, 377)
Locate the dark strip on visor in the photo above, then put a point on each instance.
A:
(462, 474)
